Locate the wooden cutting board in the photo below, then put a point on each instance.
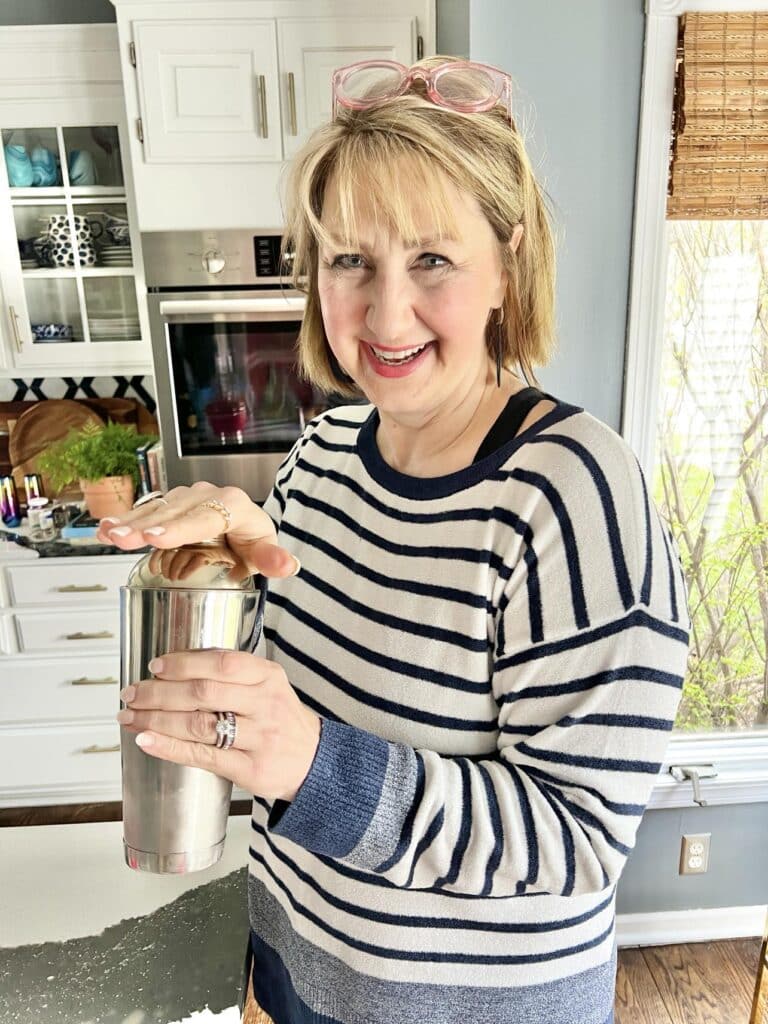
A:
(38, 427)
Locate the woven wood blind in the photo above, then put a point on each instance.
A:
(719, 160)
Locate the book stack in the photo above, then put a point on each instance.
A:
(151, 463)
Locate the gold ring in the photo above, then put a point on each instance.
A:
(217, 506)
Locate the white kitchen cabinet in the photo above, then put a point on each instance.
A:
(218, 99)
(310, 49)
(208, 90)
(59, 679)
(73, 294)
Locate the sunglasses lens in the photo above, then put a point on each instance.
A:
(371, 83)
(467, 85)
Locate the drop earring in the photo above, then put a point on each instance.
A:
(499, 322)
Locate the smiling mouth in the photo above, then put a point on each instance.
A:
(405, 356)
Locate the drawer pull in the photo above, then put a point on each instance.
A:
(80, 588)
(96, 749)
(85, 681)
(103, 634)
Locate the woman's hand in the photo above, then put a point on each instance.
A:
(175, 712)
(182, 518)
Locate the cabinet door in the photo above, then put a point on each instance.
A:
(311, 49)
(208, 91)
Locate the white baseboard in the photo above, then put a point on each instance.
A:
(670, 927)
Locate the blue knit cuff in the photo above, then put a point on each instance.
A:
(338, 799)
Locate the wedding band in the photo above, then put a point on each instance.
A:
(226, 729)
(152, 496)
(217, 506)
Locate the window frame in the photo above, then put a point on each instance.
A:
(741, 760)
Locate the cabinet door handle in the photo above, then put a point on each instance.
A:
(80, 588)
(96, 749)
(292, 102)
(263, 105)
(85, 681)
(103, 634)
(15, 325)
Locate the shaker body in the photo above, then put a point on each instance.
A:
(174, 816)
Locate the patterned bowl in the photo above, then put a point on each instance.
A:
(52, 332)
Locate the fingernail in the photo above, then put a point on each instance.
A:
(144, 740)
(156, 665)
(120, 531)
(154, 531)
(125, 717)
(127, 695)
(109, 519)
(297, 566)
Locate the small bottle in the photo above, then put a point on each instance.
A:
(10, 511)
(195, 597)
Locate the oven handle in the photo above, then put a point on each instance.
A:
(179, 307)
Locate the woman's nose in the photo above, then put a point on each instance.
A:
(390, 316)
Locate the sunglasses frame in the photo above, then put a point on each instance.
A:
(431, 78)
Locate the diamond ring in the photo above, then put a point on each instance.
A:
(152, 496)
(226, 729)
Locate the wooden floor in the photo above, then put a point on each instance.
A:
(699, 983)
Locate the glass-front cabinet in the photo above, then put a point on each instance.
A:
(69, 253)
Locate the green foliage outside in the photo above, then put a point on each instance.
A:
(94, 452)
(712, 442)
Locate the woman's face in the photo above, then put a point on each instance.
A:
(407, 323)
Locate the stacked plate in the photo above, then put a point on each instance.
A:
(114, 328)
(29, 264)
(115, 256)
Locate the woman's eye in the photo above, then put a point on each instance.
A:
(428, 259)
(348, 261)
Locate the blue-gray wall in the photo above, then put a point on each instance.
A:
(577, 69)
(55, 12)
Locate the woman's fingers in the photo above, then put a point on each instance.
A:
(203, 694)
(215, 664)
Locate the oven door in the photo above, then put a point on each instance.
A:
(230, 400)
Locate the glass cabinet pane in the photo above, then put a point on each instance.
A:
(38, 228)
(108, 226)
(54, 310)
(111, 308)
(32, 157)
(93, 156)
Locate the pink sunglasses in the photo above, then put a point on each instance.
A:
(458, 85)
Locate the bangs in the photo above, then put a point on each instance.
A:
(367, 185)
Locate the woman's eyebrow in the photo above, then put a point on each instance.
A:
(418, 243)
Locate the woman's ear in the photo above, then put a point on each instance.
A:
(517, 235)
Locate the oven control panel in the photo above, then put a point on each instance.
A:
(184, 259)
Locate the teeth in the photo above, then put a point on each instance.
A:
(401, 357)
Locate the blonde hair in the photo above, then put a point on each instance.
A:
(365, 153)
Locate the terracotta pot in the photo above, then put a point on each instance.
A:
(110, 496)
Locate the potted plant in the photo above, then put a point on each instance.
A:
(103, 460)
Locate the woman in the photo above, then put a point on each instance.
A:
(465, 688)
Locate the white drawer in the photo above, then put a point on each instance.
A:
(70, 629)
(88, 582)
(34, 690)
(59, 762)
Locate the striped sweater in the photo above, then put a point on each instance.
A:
(497, 656)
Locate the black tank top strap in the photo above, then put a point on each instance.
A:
(509, 421)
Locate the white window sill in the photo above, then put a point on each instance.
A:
(741, 763)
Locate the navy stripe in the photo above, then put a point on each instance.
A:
(637, 673)
(424, 920)
(608, 764)
(630, 810)
(671, 573)
(497, 827)
(569, 847)
(406, 833)
(532, 840)
(371, 657)
(623, 581)
(381, 618)
(410, 586)
(637, 617)
(331, 446)
(582, 814)
(462, 842)
(645, 591)
(628, 721)
(432, 832)
(401, 711)
(539, 482)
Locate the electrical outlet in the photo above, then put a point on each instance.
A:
(694, 854)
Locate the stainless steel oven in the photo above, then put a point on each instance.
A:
(224, 328)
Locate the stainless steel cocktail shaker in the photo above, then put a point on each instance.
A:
(190, 598)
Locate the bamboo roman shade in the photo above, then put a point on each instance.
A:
(719, 161)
